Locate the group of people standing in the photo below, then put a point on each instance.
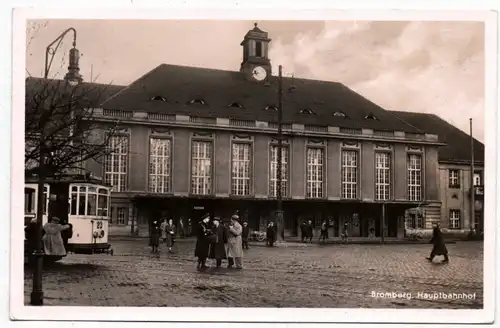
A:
(219, 241)
(164, 231)
(307, 231)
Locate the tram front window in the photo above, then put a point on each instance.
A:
(91, 201)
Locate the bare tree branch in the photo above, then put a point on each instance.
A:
(65, 116)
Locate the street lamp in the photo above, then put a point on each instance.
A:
(279, 178)
(73, 77)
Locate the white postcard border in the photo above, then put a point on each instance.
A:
(19, 311)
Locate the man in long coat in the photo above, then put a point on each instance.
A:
(218, 249)
(53, 243)
(234, 243)
(202, 242)
(438, 245)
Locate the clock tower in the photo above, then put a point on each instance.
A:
(256, 64)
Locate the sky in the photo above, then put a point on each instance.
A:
(429, 67)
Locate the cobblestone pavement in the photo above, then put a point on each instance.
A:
(295, 276)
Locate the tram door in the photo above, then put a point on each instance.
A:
(58, 202)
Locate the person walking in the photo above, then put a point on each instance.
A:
(170, 234)
(245, 234)
(345, 232)
(202, 241)
(154, 238)
(234, 243)
(218, 249)
(309, 231)
(438, 245)
(324, 232)
(303, 231)
(53, 244)
(271, 234)
(163, 230)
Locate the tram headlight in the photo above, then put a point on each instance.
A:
(96, 234)
(102, 234)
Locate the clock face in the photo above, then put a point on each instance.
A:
(259, 73)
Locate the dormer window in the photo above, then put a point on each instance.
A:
(271, 108)
(159, 98)
(307, 111)
(197, 101)
(371, 117)
(339, 114)
(236, 105)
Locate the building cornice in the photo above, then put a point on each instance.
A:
(252, 126)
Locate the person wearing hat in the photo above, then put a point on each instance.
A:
(154, 238)
(202, 241)
(218, 248)
(53, 243)
(234, 243)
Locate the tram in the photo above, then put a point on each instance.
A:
(78, 200)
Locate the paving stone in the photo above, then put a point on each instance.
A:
(315, 276)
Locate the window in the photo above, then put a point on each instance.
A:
(349, 174)
(160, 157)
(235, 104)
(197, 101)
(382, 175)
(414, 167)
(121, 215)
(159, 98)
(201, 167)
(339, 114)
(116, 162)
(273, 183)
(307, 111)
(371, 117)
(89, 200)
(241, 168)
(454, 219)
(258, 49)
(271, 107)
(416, 221)
(315, 159)
(477, 179)
(454, 179)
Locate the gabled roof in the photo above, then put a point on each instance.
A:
(457, 149)
(95, 93)
(179, 85)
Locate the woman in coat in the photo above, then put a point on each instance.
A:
(53, 243)
(202, 242)
(438, 245)
(234, 243)
(218, 249)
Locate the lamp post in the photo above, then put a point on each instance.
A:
(279, 178)
(73, 77)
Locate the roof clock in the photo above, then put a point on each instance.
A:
(256, 64)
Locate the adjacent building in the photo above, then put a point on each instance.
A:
(455, 179)
(198, 140)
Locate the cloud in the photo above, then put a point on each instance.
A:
(430, 67)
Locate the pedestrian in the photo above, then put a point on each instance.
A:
(182, 229)
(345, 232)
(202, 241)
(31, 231)
(245, 234)
(309, 231)
(438, 245)
(271, 234)
(53, 244)
(170, 234)
(189, 228)
(163, 230)
(324, 232)
(303, 231)
(218, 248)
(154, 238)
(234, 243)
